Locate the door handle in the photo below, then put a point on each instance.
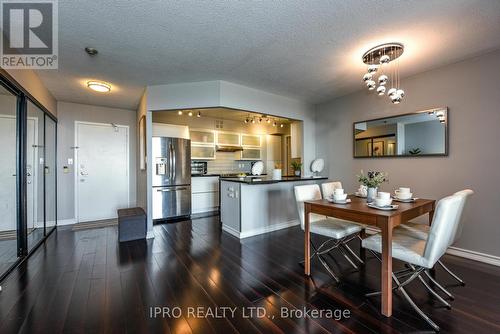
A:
(84, 174)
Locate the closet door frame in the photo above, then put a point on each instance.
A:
(23, 96)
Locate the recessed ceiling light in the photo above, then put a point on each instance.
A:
(190, 113)
(99, 86)
(199, 114)
(179, 112)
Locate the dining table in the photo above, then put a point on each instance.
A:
(357, 210)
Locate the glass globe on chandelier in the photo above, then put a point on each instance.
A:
(384, 61)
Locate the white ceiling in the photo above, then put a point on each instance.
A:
(306, 49)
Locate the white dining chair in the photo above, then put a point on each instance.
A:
(338, 231)
(422, 231)
(420, 254)
(328, 188)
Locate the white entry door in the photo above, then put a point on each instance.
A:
(8, 220)
(102, 170)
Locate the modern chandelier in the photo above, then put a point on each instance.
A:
(383, 72)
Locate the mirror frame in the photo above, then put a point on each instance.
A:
(446, 135)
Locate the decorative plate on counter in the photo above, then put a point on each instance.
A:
(257, 168)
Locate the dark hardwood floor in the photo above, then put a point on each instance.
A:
(85, 282)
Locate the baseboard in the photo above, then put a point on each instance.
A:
(262, 230)
(66, 222)
(473, 255)
(231, 231)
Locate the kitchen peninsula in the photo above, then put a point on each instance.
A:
(251, 206)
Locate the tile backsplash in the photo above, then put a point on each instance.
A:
(226, 163)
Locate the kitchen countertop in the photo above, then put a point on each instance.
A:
(215, 174)
(268, 180)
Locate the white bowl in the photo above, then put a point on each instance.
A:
(403, 196)
(382, 201)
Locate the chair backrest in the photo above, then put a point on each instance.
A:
(464, 194)
(309, 192)
(329, 187)
(444, 223)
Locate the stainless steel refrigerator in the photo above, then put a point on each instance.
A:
(171, 177)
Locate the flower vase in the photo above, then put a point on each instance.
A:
(371, 194)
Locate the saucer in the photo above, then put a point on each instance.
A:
(331, 200)
(358, 194)
(385, 208)
(409, 200)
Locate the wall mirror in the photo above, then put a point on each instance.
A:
(423, 133)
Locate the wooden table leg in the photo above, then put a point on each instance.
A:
(362, 251)
(387, 268)
(307, 241)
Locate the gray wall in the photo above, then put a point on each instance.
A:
(68, 113)
(470, 90)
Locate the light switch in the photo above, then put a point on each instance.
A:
(70, 161)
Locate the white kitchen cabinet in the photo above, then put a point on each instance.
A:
(251, 154)
(228, 138)
(204, 194)
(204, 137)
(250, 140)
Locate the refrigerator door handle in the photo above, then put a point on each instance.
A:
(171, 161)
(172, 189)
(174, 165)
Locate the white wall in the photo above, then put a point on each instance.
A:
(30, 81)
(68, 113)
(470, 90)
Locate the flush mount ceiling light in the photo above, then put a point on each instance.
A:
(383, 65)
(99, 86)
(91, 51)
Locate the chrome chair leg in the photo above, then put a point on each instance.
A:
(342, 251)
(439, 286)
(434, 293)
(325, 264)
(451, 273)
(400, 287)
(352, 253)
(418, 310)
(411, 302)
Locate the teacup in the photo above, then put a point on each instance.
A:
(403, 193)
(382, 201)
(339, 197)
(383, 195)
(338, 191)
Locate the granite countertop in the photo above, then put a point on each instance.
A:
(269, 180)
